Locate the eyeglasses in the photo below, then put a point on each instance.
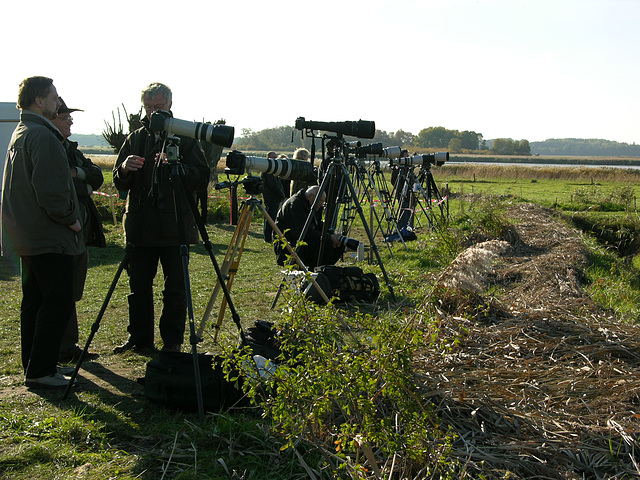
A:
(66, 118)
(153, 108)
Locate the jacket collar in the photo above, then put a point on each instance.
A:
(28, 115)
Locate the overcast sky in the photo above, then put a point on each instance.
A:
(521, 69)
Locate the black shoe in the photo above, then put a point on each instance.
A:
(73, 355)
(171, 347)
(130, 345)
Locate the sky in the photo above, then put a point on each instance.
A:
(520, 69)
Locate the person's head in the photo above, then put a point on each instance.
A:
(404, 153)
(38, 95)
(157, 96)
(272, 155)
(301, 154)
(312, 193)
(333, 147)
(64, 120)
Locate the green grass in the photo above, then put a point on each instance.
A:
(117, 433)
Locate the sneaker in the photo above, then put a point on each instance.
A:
(65, 370)
(55, 380)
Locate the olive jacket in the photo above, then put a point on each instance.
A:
(39, 200)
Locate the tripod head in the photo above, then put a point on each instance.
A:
(252, 185)
(171, 148)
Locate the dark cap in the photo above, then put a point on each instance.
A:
(64, 109)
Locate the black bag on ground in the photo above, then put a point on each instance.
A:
(170, 380)
(262, 338)
(348, 284)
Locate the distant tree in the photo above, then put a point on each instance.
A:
(523, 148)
(470, 140)
(455, 145)
(435, 137)
(402, 139)
(503, 146)
(507, 146)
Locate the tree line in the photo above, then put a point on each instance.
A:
(287, 138)
(428, 139)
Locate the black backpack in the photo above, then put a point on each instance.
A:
(348, 284)
(170, 381)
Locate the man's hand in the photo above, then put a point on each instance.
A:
(131, 164)
(76, 227)
(335, 239)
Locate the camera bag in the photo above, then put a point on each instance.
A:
(262, 337)
(170, 381)
(348, 284)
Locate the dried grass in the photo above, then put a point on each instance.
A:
(541, 383)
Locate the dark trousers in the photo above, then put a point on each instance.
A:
(272, 210)
(70, 337)
(143, 265)
(47, 301)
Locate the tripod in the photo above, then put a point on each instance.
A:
(431, 195)
(377, 183)
(335, 180)
(231, 264)
(176, 180)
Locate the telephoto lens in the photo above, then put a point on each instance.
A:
(350, 243)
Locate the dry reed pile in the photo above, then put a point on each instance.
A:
(540, 382)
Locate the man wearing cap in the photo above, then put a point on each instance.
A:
(87, 177)
(41, 224)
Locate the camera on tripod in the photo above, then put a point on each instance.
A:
(222, 135)
(350, 243)
(360, 129)
(238, 163)
(437, 159)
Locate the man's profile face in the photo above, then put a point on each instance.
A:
(155, 103)
(63, 123)
(50, 103)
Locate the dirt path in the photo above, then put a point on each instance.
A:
(542, 382)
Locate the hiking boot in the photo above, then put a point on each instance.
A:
(55, 380)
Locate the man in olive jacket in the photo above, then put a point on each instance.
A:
(40, 223)
(151, 225)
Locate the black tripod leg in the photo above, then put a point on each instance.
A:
(96, 324)
(178, 190)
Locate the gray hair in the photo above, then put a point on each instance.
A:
(154, 89)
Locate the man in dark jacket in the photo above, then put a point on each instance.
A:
(87, 177)
(291, 219)
(151, 225)
(41, 224)
(275, 191)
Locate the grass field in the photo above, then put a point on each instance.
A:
(110, 430)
